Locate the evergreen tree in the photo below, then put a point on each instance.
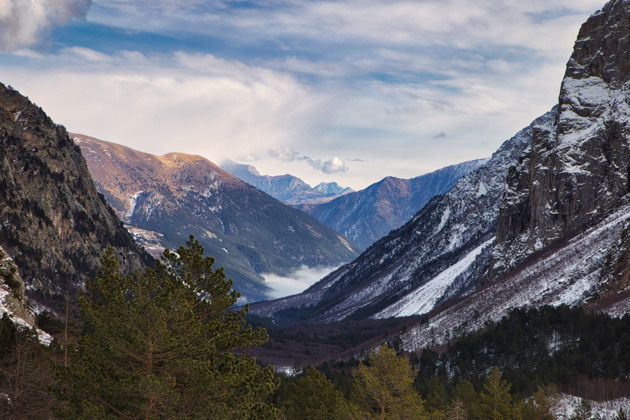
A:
(542, 403)
(465, 392)
(313, 396)
(583, 412)
(384, 387)
(457, 411)
(165, 344)
(496, 401)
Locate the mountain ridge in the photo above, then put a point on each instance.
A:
(368, 215)
(448, 228)
(165, 198)
(55, 225)
(557, 230)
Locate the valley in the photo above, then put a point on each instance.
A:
(506, 277)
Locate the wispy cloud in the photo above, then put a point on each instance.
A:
(194, 103)
(24, 23)
(304, 85)
(288, 154)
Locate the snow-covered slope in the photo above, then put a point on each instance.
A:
(545, 221)
(444, 248)
(568, 273)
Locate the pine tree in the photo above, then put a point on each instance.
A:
(583, 412)
(384, 387)
(542, 404)
(496, 401)
(457, 411)
(165, 344)
(314, 397)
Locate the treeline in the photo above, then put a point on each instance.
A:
(540, 346)
(43, 383)
(167, 343)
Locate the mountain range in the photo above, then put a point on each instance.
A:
(545, 221)
(367, 215)
(164, 199)
(287, 188)
(441, 253)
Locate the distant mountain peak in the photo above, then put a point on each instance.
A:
(286, 188)
(367, 215)
(332, 188)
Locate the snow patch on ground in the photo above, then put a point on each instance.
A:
(605, 410)
(43, 337)
(345, 242)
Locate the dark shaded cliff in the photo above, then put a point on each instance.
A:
(53, 222)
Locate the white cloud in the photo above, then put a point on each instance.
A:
(334, 165)
(192, 103)
(285, 154)
(370, 79)
(297, 282)
(23, 23)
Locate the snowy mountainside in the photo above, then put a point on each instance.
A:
(563, 233)
(558, 214)
(287, 188)
(567, 274)
(455, 229)
(367, 215)
(578, 171)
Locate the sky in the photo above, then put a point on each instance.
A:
(348, 91)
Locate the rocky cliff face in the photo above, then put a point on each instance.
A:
(578, 170)
(367, 215)
(53, 223)
(163, 199)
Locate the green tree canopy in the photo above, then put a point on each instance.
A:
(165, 344)
(314, 397)
(384, 387)
(496, 400)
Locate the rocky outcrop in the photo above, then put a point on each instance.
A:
(578, 170)
(163, 199)
(12, 292)
(53, 222)
(368, 215)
